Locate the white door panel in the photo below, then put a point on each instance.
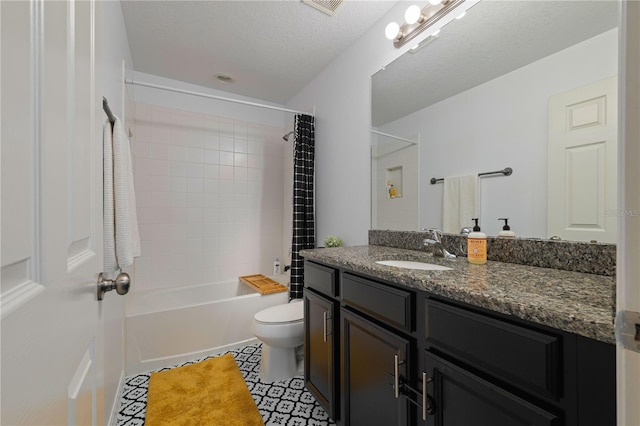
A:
(51, 214)
(582, 163)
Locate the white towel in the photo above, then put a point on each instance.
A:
(121, 236)
(460, 202)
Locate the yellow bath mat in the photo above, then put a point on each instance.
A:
(210, 392)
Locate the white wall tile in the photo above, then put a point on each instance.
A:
(226, 172)
(140, 149)
(195, 170)
(159, 167)
(241, 173)
(226, 143)
(159, 151)
(160, 183)
(195, 155)
(195, 200)
(177, 184)
(195, 185)
(178, 168)
(211, 171)
(176, 215)
(239, 159)
(207, 188)
(240, 146)
(211, 186)
(211, 156)
(210, 201)
(226, 158)
(177, 153)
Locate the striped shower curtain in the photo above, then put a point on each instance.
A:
(303, 199)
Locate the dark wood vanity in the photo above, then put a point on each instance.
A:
(379, 352)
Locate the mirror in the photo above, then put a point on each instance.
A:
(476, 99)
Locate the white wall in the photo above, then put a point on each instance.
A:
(115, 50)
(503, 123)
(341, 94)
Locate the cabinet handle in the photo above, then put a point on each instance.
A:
(424, 396)
(396, 375)
(324, 326)
(325, 317)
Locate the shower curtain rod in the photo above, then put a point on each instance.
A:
(220, 98)
(394, 137)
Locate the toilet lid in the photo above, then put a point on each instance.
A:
(289, 312)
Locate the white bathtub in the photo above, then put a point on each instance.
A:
(166, 327)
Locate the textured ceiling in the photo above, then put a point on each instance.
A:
(272, 48)
(495, 37)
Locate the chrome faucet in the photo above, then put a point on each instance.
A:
(435, 240)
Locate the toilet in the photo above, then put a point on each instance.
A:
(280, 328)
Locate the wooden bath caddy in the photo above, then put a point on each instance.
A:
(263, 284)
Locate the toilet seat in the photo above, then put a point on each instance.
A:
(281, 314)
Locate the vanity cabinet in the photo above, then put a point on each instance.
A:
(321, 336)
(389, 343)
(375, 351)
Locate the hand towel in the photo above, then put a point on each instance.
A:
(460, 202)
(121, 235)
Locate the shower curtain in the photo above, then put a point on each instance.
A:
(303, 199)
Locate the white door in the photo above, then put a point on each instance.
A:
(582, 163)
(628, 269)
(51, 214)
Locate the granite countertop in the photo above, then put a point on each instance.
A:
(575, 302)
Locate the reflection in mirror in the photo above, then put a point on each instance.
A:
(395, 175)
(479, 98)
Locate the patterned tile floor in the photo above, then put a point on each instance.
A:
(280, 403)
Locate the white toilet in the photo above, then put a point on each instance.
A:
(281, 330)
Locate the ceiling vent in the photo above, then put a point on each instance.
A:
(330, 7)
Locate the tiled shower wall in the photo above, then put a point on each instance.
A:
(209, 196)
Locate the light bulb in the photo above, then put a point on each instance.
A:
(412, 15)
(461, 15)
(392, 30)
(436, 32)
(435, 2)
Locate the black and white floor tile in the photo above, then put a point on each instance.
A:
(280, 403)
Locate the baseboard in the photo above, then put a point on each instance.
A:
(115, 406)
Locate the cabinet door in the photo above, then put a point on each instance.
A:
(461, 399)
(373, 361)
(320, 352)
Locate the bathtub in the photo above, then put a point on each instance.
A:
(171, 326)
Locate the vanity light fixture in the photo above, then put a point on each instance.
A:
(418, 20)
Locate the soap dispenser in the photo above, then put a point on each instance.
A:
(477, 245)
(506, 230)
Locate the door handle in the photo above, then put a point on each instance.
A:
(121, 284)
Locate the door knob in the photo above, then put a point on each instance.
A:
(121, 284)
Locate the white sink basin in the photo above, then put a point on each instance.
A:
(413, 265)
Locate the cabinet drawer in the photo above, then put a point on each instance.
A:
(320, 278)
(386, 303)
(518, 355)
